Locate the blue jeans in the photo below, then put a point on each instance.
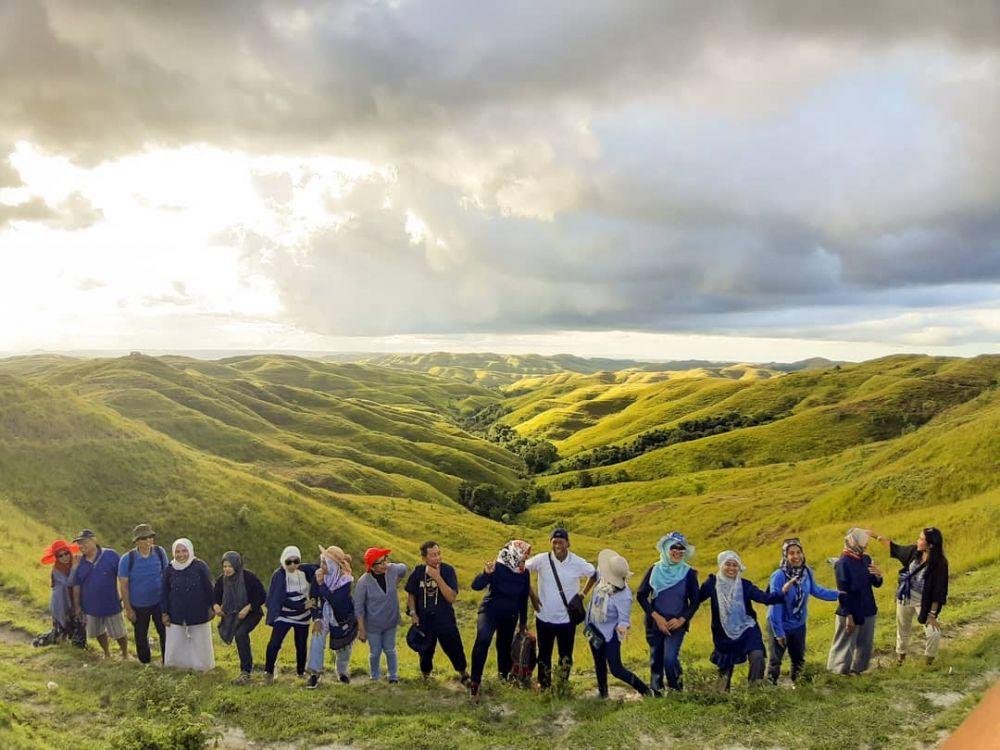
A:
(379, 641)
(317, 655)
(664, 659)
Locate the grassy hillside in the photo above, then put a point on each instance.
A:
(254, 453)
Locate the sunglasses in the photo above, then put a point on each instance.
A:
(292, 561)
(145, 538)
(679, 548)
(64, 553)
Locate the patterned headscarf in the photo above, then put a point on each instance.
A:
(855, 542)
(513, 555)
(793, 571)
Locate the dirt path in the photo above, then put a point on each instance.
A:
(14, 636)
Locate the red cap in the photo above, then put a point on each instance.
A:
(374, 553)
(57, 546)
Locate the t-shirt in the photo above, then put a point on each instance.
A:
(432, 608)
(570, 570)
(145, 580)
(98, 582)
(917, 579)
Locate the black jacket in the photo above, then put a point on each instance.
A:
(935, 581)
(255, 591)
(187, 594)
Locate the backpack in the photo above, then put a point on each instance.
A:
(160, 553)
(524, 653)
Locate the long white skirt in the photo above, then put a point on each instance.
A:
(189, 647)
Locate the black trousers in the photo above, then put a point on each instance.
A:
(795, 644)
(549, 634)
(241, 637)
(141, 629)
(609, 655)
(486, 626)
(451, 643)
(278, 632)
(756, 674)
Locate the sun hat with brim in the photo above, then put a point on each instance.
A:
(418, 639)
(333, 552)
(141, 531)
(59, 545)
(85, 534)
(613, 568)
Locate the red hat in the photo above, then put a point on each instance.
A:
(374, 553)
(56, 547)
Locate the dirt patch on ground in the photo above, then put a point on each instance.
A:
(14, 636)
(233, 738)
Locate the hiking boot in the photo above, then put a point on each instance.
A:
(900, 658)
(345, 679)
(243, 679)
(313, 682)
(474, 691)
(268, 678)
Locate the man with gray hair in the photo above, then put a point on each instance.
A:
(94, 576)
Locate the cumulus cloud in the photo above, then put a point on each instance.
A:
(645, 166)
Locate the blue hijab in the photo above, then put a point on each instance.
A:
(667, 573)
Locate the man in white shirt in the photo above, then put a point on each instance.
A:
(552, 622)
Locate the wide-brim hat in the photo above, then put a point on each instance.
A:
(59, 545)
(333, 552)
(613, 568)
(418, 639)
(142, 530)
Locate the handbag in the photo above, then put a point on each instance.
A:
(594, 637)
(574, 607)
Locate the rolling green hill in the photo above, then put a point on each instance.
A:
(257, 452)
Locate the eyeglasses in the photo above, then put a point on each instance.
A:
(64, 553)
(292, 561)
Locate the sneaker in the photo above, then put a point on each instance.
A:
(900, 658)
(464, 679)
(929, 660)
(393, 680)
(313, 682)
(268, 678)
(345, 679)
(474, 691)
(243, 679)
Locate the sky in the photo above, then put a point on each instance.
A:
(660, 180)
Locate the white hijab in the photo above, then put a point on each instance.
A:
(186, 543)
(293, 581)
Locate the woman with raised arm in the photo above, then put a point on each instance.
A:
(922, 590)
(503, 610)
(786, 622)
(735, 631)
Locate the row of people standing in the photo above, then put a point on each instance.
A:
(315, 603)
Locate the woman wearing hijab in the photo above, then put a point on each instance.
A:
(376, 605)
(668, 595)
(503, 610)
(239, 597)
(609, 620)
(922, 591)
(786, 622)
(186, 602)
(288, 609)
(333, 615)
(65, 625)
(735, 631)
(854, 633)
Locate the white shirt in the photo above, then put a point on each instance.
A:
(570, 570)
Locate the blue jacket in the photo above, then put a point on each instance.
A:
(276, 590)
(779, 616)
(854, 585)
(508, 595)
(187, 595)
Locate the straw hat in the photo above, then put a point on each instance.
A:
(613, 568)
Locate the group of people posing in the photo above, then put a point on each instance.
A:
(94, 590)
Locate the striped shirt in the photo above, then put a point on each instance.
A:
(295, 607)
